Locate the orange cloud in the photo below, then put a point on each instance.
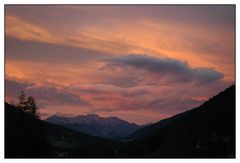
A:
(124, 93)
(188, 42)
(23, 30)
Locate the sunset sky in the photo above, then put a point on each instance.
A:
(139, 63)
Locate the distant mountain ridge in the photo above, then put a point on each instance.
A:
(93, 124)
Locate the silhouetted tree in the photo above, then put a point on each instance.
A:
(28, 104)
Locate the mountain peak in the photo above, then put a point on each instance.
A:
(92, 115)
(93, 124)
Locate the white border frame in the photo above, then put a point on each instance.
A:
(117, 2)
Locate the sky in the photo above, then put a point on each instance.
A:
(139, 63)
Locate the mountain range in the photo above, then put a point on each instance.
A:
(92, 124)
(207, 131)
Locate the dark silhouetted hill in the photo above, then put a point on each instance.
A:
(24, 135)
(207, 131)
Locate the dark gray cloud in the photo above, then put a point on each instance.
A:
(55, 96)
(206, 74)
(13, 88)
(222, 15)
(202, 14)
(165, 67)
(53, 53)
(121, 80)
(45, 95)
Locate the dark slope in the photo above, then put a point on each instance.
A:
(27, 137)
(148, 130)
(92, 124)
(70, 143)
(207, 131)
(24, 135)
